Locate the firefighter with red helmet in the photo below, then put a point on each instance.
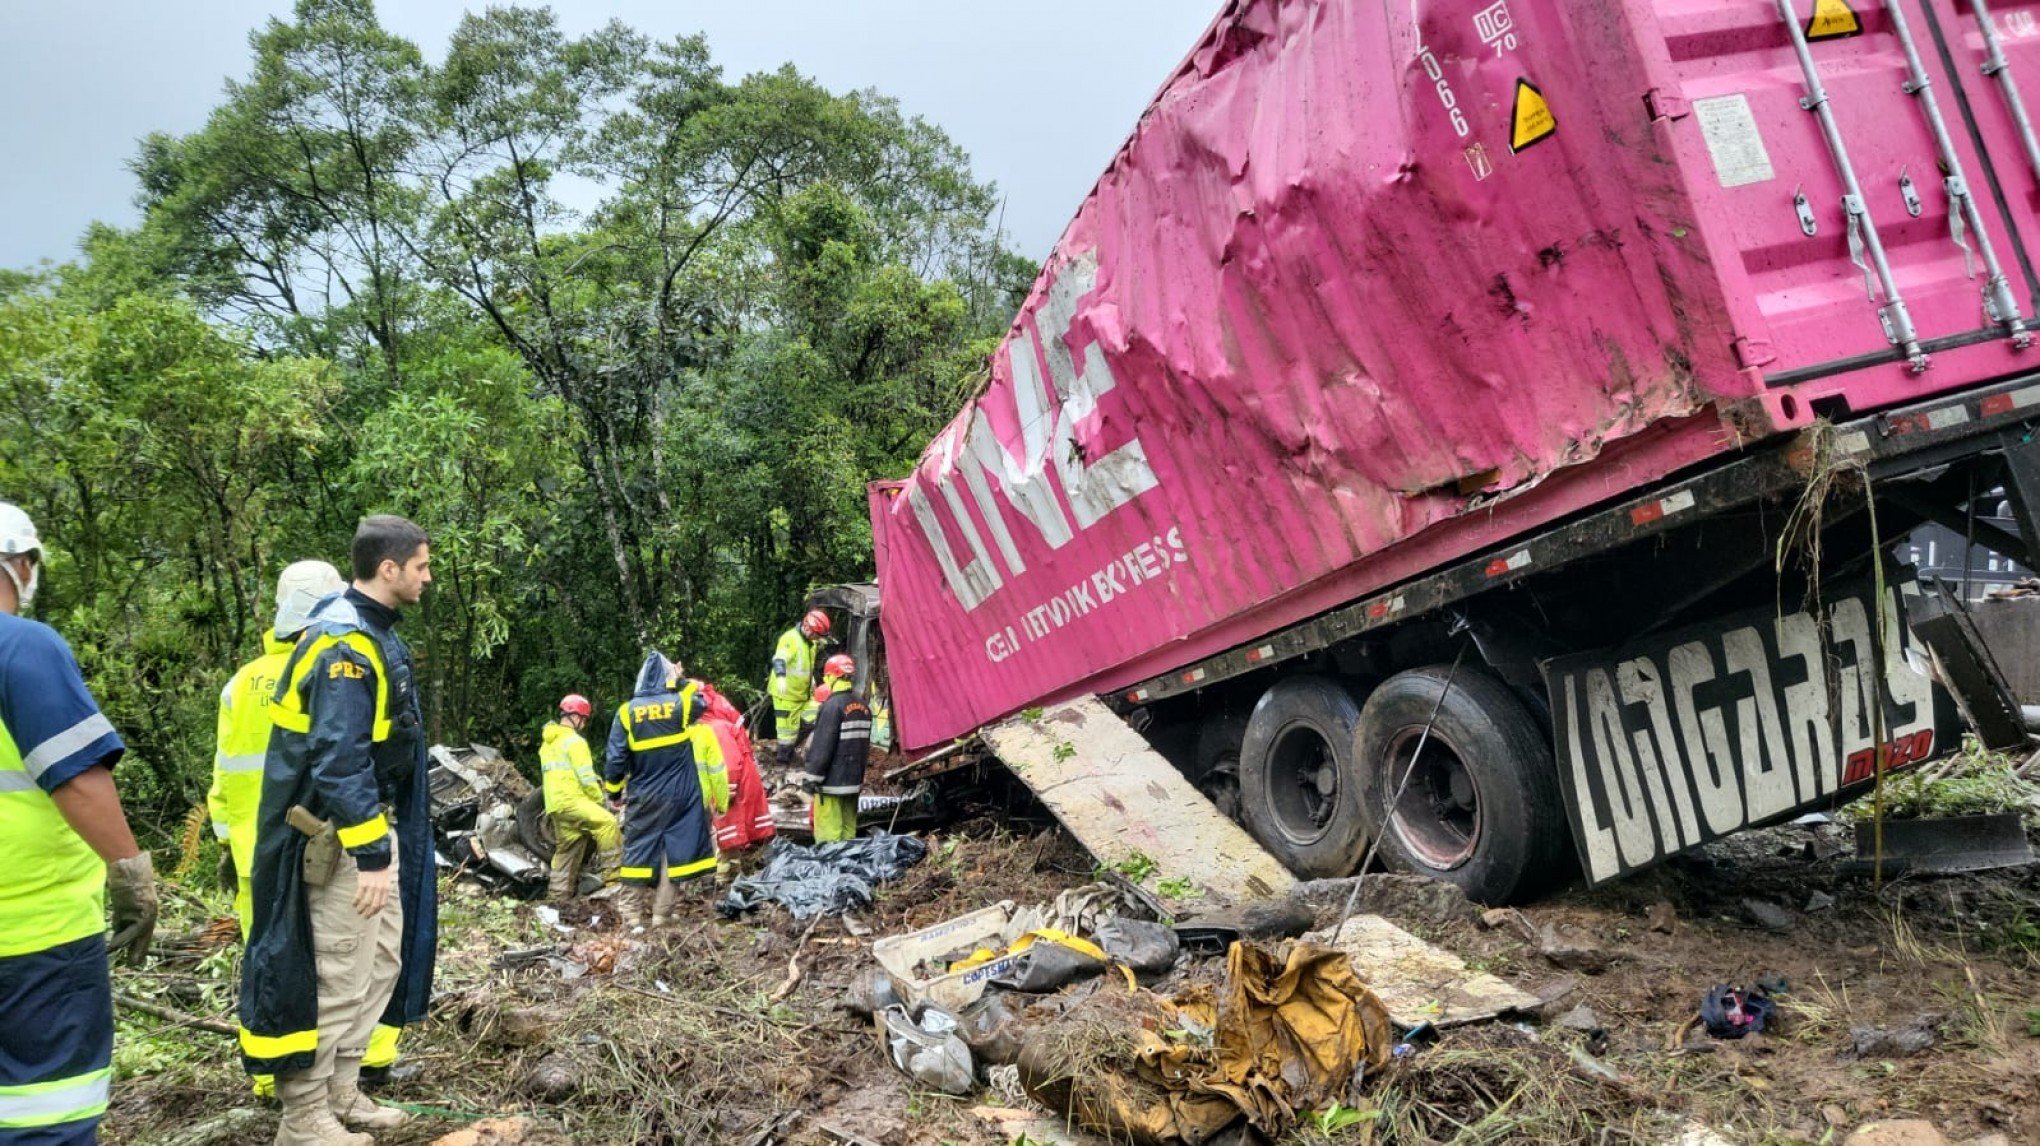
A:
(793, 668)
(582, 822)
(838, 752)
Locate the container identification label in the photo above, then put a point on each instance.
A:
(1733, 141)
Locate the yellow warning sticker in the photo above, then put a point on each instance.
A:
(1532, 118)
(1831, 20)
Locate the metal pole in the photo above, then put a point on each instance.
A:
(1897, 320)
(1998, 304)
(1998, 67)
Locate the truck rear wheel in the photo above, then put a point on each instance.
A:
(1299, 790)
(1481, 807)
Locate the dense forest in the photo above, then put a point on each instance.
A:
(626, 335)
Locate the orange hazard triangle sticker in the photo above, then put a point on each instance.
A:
(1831, 20)
(1532, 119)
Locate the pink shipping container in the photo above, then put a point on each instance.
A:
(1372, 286)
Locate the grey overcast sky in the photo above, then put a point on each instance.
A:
(1039, 94)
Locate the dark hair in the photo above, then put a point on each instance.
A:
(384, 537)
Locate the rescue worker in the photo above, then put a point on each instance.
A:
(243, 738)
(333, 950)
(793, 667)
(244, 725)
(64, 846)
(581, 821)
(748, 821)
(838, 752)
(668, 768)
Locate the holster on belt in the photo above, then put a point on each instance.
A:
(322, 844)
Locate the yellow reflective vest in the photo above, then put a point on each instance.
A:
(791, 689)
(241, 745)
(570, 781)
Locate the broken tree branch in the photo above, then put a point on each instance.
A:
(793, 972)
(169, 1015)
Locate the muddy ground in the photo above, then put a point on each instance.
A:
(677, 1039)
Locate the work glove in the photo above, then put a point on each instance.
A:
(131, 888)
(229, 879)
(809, 783)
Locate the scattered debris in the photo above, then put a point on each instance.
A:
(1583, 1019)
(1768, 915)
(1949, 845)
(1123, 799)
(1419, 982)
(1572, 951)
(1730, 1012)
(1282, 1035)
(1552, 996)
(930, 1051)
(1147, 948)
(1819, 901)
(503, 1132)
(1902, 1132)
(554, 1079)
(1662, 918)
(1894, 1042)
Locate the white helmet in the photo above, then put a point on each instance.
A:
(18, 536)
(299, 588)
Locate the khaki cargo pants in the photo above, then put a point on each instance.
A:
(358, 961)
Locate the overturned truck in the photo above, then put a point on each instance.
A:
(1547, 388)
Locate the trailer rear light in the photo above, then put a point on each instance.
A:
(1256, 656)
(2010, 400)
(1662, 508)
(1520, 559)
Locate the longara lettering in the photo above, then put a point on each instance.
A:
(1686, 738)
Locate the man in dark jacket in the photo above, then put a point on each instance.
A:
(342, 822)
(837, 753)
(668, 768)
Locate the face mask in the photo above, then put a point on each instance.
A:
(25, 592)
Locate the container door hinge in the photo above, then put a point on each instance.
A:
(1751, 353)
(1661, 104)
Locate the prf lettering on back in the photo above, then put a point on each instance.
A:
(348, 669)
(642, 712)
(1054, 452)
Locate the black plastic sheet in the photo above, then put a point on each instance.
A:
(824, 879)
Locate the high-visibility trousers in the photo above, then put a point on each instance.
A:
(56, 1047)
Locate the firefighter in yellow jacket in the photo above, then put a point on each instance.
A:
(793, 673)
(573, 801)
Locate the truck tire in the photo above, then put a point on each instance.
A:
(1482, 809)
(1217, 773)
(1299, 790)
(535, 828)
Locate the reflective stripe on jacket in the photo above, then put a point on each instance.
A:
(569, 780)
(348, 741)
(240, 746)
(793, 670)
(52, 884)
(841, 744)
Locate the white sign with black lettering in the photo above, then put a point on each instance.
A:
(1733, 141)
(1684, 738)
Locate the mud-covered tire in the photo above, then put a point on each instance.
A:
(535, 828)
(1483, 808)
(1299, 790)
